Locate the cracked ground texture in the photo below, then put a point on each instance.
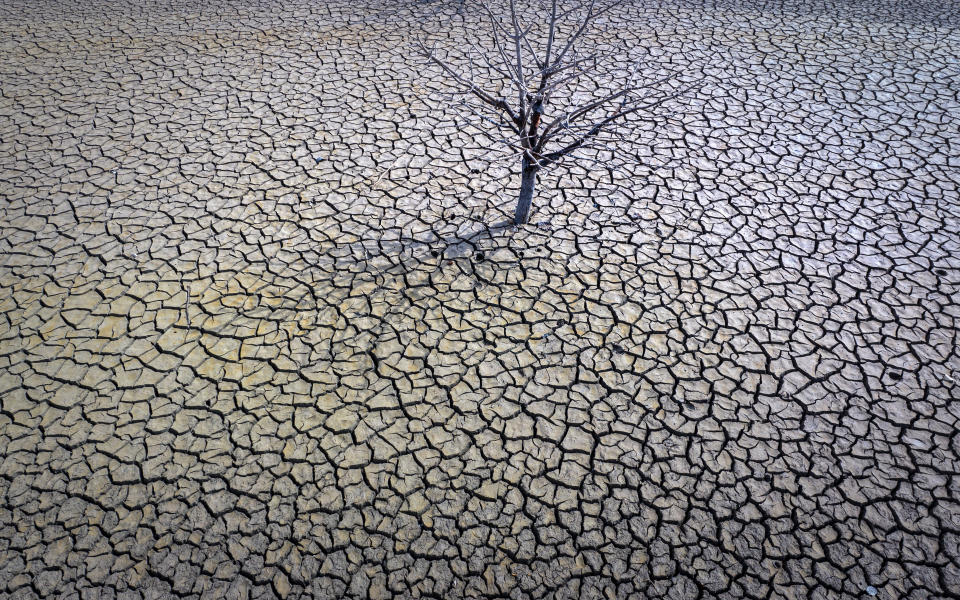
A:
(259, 336)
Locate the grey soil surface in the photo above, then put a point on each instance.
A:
(260, 336)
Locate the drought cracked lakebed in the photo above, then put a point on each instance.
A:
(262, 336)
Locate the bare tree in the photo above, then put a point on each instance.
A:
(568, 84)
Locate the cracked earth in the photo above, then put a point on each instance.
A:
(261, 335)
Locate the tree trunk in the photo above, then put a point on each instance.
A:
(527, 183)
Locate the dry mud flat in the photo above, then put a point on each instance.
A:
(258, 340)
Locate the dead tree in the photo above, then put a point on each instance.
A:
(546, 81)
